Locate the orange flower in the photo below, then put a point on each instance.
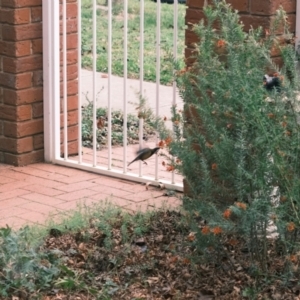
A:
(290, 226)
(293, 258)
(168, 141)
(233, 242)
(161, 144)
(170, 168)
(227, 213)
(241, 205)
(221, 43)
(214, 166)
(205, 230)
(217, 230)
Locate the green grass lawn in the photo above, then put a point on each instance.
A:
(133, 38)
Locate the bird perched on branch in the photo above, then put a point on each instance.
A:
(144, 154)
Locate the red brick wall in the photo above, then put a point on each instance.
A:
(21, 81)
(252, 12)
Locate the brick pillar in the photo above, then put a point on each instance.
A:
(21, 81)
(21, 106)
(252, 13)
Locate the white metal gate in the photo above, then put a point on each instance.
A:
(110, 161)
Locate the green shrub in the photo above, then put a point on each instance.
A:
(238, 143)
(24, 269)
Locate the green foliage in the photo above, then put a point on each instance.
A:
(23, 268)
(117, 125)
(238, 143)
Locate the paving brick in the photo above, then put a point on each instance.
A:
(78, 178)
(41, 173)
(12, 186)
(5, 213)
(120, 184)
(77, 186)
(141, 196)
(15, 201)
(43, 199)
(43, 190)
(12, 193)
(4, 179)
(14, 174)
(51, 183)
(110, 190)
(38, 207)
(77, 195)
(33, 217)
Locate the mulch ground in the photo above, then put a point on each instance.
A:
(163, 262)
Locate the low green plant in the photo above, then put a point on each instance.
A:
(117, 126)
(24, 269)
(237, 143)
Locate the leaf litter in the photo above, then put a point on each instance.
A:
(159, 263)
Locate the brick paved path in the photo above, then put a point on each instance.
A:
(29, 194)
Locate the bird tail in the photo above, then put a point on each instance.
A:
(131, 162)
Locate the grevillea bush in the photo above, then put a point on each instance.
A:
(237, 143)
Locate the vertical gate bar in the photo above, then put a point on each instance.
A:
(79, 82)
(55, 61)
(297, 29)
(125, 88)
(141, 134)
(48, 25)
(175, 40)
(158, 13)
(109, 80)
(65, 92)
(141, 122)
(94, 83)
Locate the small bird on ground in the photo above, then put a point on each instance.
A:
(144, 154)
